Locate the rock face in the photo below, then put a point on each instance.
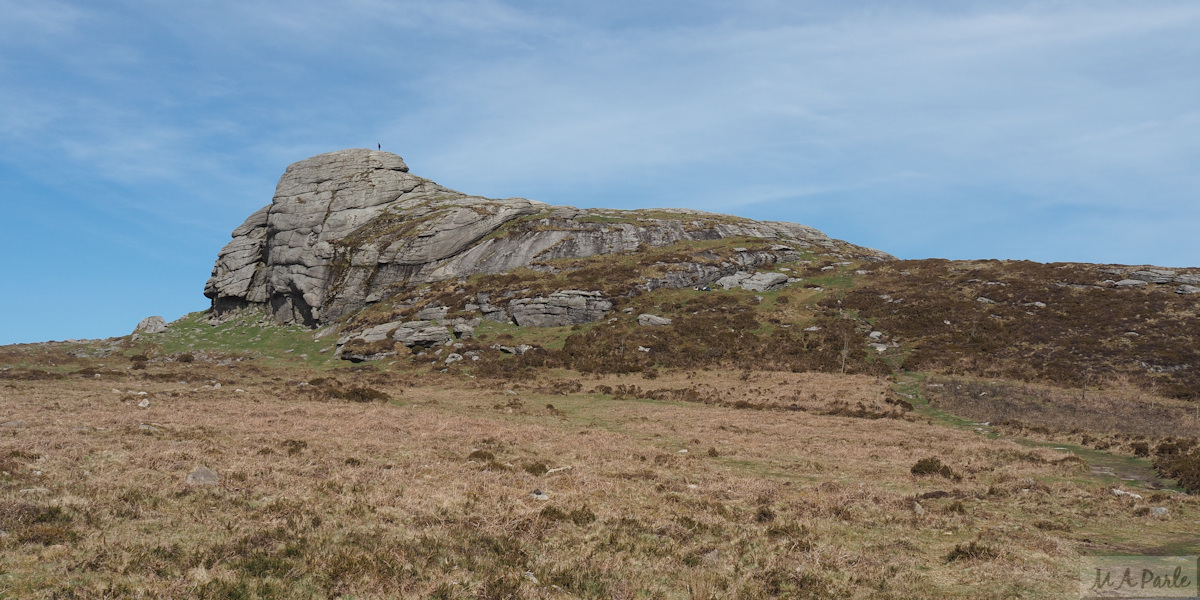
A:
(349, 228)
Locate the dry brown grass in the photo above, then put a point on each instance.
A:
(429, 495)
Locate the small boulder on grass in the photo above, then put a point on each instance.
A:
(202, 476)
(933, 466)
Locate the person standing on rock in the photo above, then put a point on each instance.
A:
(379, 146)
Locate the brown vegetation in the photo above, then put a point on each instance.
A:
(776, 496)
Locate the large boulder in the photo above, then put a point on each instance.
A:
(758, 282)
(765, 282)
(153, 324)
(422, 333)
(349, 228)
(570, 307)
(653, 320)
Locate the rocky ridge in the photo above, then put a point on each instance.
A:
(351, 228)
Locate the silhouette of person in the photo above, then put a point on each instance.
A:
(380, 146)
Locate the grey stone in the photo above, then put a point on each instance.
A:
(351, 227)
(653, 320)
(14, 424)
(570, 307)
(433, 313)
(422, 333)
(731, 281)
(464, 331)
(983, 300)
(875, 335)
(453, 358)
(1130, 283)
(1153, 275)
(153, 324)
(202, 476)
(521, 349)
(1159, 512)
(765, 282)
(1188, 279)
(494, 313)
(1187, 289)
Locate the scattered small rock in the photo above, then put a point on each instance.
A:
(148, 428)
(14, 424)
(1159, 512)
(145, 403)
(538, 494)
(1122, 493)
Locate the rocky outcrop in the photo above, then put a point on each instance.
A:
(570, 307)
(1153, 275)
(381, 341)
(350, 228)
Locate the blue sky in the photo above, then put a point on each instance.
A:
(134, 136)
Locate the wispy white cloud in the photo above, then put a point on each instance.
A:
(893, 115)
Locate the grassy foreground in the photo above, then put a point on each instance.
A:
(674, 484)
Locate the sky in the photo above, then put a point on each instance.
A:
(135, 136)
